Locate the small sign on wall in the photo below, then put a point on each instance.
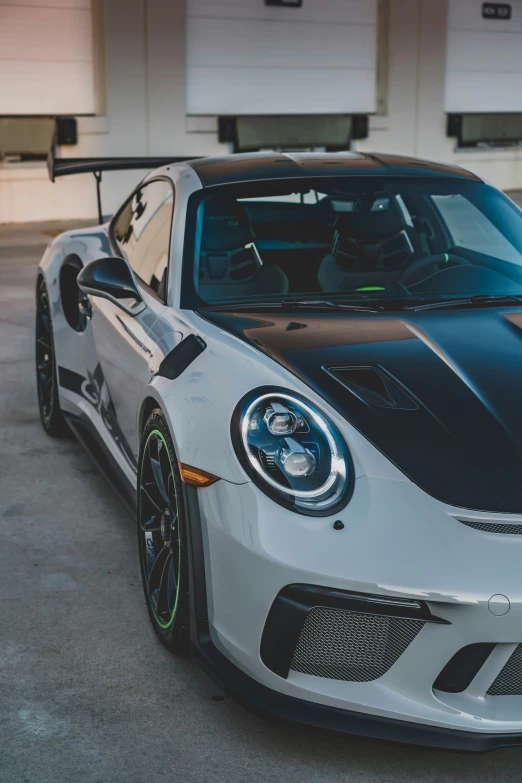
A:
(496, 11)
(285, 3)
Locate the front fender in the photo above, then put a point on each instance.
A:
(199, 404)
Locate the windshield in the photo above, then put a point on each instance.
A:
(351, 239)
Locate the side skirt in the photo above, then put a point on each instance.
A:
(93, 444)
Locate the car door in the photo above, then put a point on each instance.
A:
(140, 232)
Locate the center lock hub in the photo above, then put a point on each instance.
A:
(165, 524)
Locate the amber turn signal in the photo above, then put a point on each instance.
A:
(196, 477)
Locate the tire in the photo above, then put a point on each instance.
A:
(162, 536)
(51, 416)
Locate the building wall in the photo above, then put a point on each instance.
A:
(142, 54)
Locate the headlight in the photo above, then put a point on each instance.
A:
(293, 452)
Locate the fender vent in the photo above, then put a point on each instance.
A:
(351, 646)
(494, 527)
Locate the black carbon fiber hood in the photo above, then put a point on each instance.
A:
(437, 392)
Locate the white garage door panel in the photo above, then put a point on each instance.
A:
(246, 58)
(471, 52)
(86, 4)
(21, 34)
(292, 97)
(467, 15)
(46, 57)
(484, 59)
(322, 11)
(258, 44)
(50, 93)
(465, 84)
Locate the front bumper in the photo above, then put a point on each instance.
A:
(397, 543)
(257, 698)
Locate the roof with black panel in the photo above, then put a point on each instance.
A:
(269, 165)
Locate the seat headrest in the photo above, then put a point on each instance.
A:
(226, 225)
(378, 224)
(227, 250)
(379, 237)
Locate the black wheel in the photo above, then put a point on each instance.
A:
(162, 536)
(46, 377)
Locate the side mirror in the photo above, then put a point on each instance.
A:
(113, 279)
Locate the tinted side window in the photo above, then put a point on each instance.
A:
(142, 231)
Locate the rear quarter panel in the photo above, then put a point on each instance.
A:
(74, 350)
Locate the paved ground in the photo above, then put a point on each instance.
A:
(86, 691)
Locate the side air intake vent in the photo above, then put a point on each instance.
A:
(494, 527)
(351, 646)
(374, 386)
(509, 681)
(461, 670)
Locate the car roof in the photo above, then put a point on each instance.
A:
(248, 167)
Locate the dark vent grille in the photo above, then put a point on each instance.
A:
(494, 527)
(352, 646)
(509, 681)
(461, 670)
(374, 386)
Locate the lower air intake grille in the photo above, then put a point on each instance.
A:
(494, 527)
(509, 681)
(351, 646)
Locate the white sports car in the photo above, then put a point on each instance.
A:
(302, 372)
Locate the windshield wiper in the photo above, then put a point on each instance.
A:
(289, 305)
(303, 304)
(471, 301)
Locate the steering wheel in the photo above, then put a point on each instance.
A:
(412, 275)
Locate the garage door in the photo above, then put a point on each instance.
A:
(247, 57)
(484, 57)
(46, 57)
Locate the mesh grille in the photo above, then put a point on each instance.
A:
(351, 646)
(509, 681)
(494, 527)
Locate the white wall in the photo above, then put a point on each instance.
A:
(144, 50)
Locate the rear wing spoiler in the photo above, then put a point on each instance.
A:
(63, 167)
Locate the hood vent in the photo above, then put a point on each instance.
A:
(373, 386)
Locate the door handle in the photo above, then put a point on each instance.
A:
(134, 336)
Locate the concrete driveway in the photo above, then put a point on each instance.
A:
(86, 691)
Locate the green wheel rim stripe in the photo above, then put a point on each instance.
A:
(160, 622)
